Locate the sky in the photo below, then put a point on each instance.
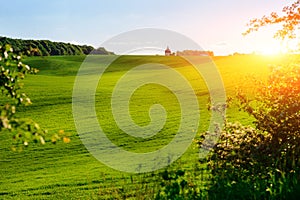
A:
(215, 25)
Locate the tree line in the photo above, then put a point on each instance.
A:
(49, 48)
(195, 53)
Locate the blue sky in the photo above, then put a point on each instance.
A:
(214, 24)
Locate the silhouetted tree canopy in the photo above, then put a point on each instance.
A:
(289, 18)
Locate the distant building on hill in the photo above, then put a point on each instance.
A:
(168, 52)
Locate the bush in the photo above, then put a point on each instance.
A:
(275, 106)
(261, 162)
(243, 167)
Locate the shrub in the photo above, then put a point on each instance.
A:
(275, 105)
(261, 162)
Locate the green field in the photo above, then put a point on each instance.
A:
(69, 171)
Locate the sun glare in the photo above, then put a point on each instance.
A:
(270, 51)
(273, 50)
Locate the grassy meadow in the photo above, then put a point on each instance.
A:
(69, 171)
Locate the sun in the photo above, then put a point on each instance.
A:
(272, 50)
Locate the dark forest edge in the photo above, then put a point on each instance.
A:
(49, 48)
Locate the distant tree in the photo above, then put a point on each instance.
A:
(87, 49)
(289, 18)
(195, 53)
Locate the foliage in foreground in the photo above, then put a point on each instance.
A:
(262, 162)
(243, 166)
(12, 72)
(289, 19)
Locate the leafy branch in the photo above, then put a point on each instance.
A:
(12, 72)
(289, 19)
